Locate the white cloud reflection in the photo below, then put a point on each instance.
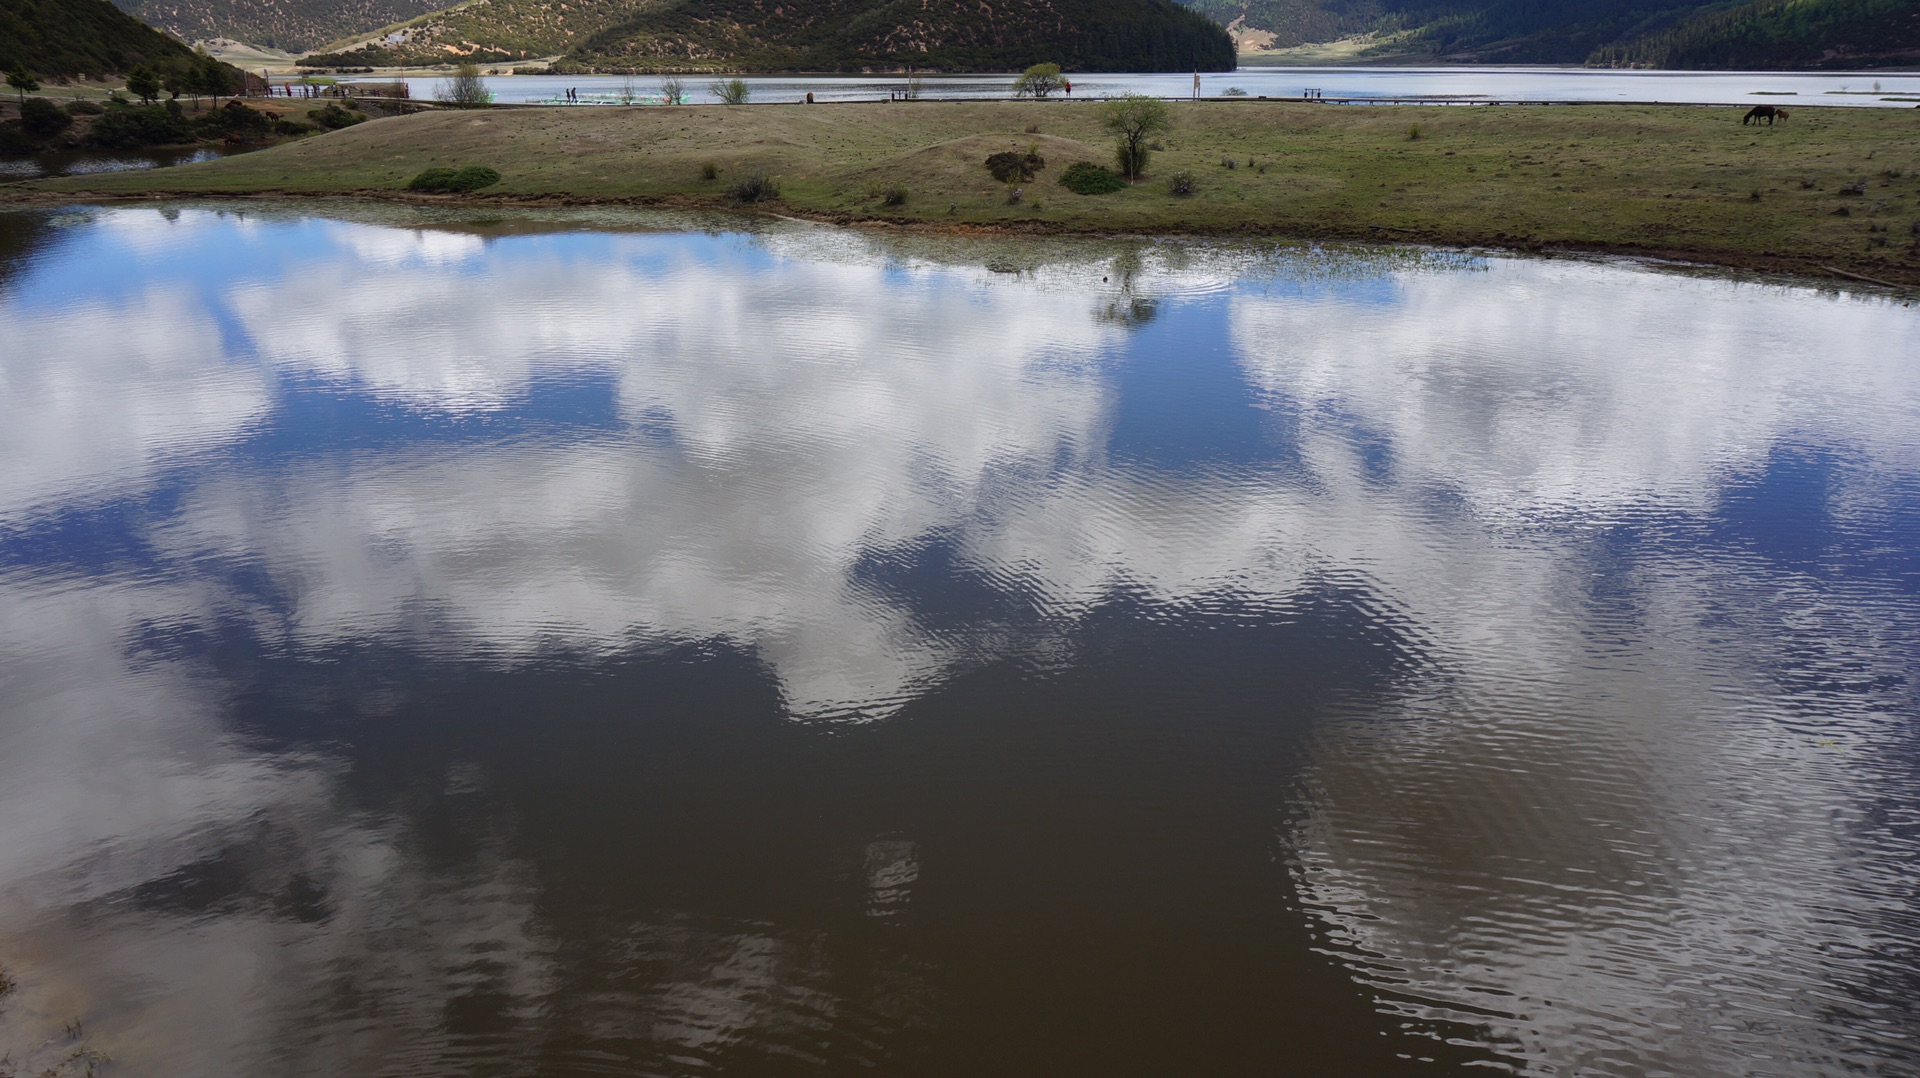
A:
(783, 419)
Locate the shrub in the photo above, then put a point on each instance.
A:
(756, 187)
(233, 118)
(709, 171)
(673, 92)
(453, 181)
(130, 126)
(289, 128)
(1233, 91)
(1087, 178)
(333, 117)
(895, 195)
(42, 118)
(1413, 132)
(1181, 184)
(731, 91)
(86, 108)
(1010, 167)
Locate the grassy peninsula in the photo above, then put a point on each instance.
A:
(1830, 188)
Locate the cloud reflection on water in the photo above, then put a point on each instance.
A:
(789, 408)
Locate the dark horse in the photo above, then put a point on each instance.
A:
(1763, 112)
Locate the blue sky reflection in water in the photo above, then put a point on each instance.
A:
(508, 645)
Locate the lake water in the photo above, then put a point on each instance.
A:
(1438, 85)
(446, 643)
(89, 162)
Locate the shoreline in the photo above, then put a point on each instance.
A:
(1783, 266)
(1832, 195)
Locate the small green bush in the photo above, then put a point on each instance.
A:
(756, 187)
(85, 108)
(1010, 167)
(235, 119)
(895, 195)
(1087, 178)
(126, 127)
(1181, 184)
(709, 171)
(454, 181)
(333, 117)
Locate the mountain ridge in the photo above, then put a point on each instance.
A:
(971, 35)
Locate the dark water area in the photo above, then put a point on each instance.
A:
(90, 162)
(589, 643)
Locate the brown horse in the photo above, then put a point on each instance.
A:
(1763, 112)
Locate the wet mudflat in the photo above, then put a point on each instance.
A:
(600, 644)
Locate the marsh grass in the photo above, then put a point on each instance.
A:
(1673, 180)
(755, 187)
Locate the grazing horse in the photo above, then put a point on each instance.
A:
(1763, 112)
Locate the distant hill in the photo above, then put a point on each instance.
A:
(81, 37)
(1659, 33)
(486, 31)
(290, 25)
(1294, 22)
(947, 35)
(807, 35)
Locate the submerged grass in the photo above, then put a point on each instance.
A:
(1673, 180)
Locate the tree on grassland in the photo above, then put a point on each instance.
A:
(1133, 119)
(143, 84)
(22, 80)
(1038, 81)
(466, 88)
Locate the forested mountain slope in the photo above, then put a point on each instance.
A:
(1783, 33)
(81, 37)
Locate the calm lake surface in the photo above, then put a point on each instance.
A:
(593, 644)
(89, 162)
(1439, 85)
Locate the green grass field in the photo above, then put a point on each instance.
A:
(1681, 181)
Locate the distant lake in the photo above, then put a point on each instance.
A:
(445, 642)
(1459, 85)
